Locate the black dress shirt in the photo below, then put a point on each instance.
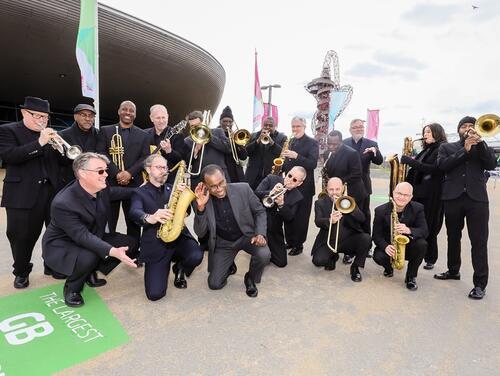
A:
(226, 225)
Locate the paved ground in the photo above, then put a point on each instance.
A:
(305, 320)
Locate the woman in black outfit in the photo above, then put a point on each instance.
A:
(427, 181)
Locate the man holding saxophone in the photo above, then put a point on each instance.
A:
(399, 233)
(148, 209)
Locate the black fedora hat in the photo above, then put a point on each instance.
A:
(36, 104)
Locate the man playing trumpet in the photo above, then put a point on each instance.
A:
(281, 198)
(348, 238)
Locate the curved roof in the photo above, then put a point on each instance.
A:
(138, 61)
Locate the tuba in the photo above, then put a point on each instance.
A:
(178, 204)
(398, 241)
(278, 162)
(344, 204)
(116, 150)
(487, 125)
(398, 169)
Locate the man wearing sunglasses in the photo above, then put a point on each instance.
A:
(412, 224)
(76, 242)
(283, 209)
(32, 179)
(234, 219)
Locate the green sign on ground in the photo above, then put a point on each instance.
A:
(40, 335)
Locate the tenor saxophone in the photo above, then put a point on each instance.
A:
(178, 204)
(398, 241)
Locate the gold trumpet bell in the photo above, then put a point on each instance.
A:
(200, 134)
(487, 125)
(345, 204)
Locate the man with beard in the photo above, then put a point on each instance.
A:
(261, 155)
(465, 197)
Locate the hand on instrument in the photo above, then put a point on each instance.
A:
(390, 250)
(123, 177)
(471, 140)
(335, 216)
(202, 195)
(290, 154)
(166, 146)
(373, 150)
(280, 200)
(258, 240)
(161, 215)
(181, 187)
(401, 228)
(46, 135)
(406, 159)
(120, 254)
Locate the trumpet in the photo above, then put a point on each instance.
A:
(59, 144)
(239, 137)
(344, 204)
(269, 200)
(116, 150)
(265, 139)
(200, 134)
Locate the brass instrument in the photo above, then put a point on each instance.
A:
(200, 134)
(344, 204)
(239, 137)
(487, 125)
(59, 144)
(178, 203)
(269, 200)
(398, 241)
(265, 139)
(278, 162)
(116, 150)
(398, 169)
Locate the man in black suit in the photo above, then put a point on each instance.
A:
(351, 236)
(136, 148)
(465, 197)
(150, 211)
(412, 224)
(261, 156)
(234, 220)
(75, 242)
(32, 179)
(81, 133)
(369, 153)
(302, 151)
(283, 209)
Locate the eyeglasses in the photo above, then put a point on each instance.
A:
(402, 194)
(86, 116)
(295, 180)
(214, 187)
(38, 116)
(100, 171)
(160, 167)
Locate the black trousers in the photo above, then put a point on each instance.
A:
(133, 229)
(356, 245)
(477, 215)
(414, 254)
(187, 253)
(434, 215)
(364, 206)
(24, 227)
(276, 238)
(296, 230)
(223, 256)
(88, 261)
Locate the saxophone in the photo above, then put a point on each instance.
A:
(178, 204)
(398, 169)
(278, 162)
(398, 241)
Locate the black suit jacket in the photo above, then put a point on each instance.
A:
(144, 202)
(235, 170)
(308, 150)
(136, 150)
(346, 165)
(413, 216)
(260, 157)
(366, 159)
(22, 156)
(464, 172)
(350, 224)
(424, 174)
(78, 223)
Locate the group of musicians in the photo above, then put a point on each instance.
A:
(263, 210)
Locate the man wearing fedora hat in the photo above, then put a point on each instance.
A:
(32, 178)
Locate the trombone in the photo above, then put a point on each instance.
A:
(269, 200)
(344, 204)
(116, 150)
(200, 134)
(239, 137)
(59, 144)
(487, 125)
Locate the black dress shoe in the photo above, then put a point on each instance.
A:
(53, 273)
(21, 282)
(347, 260)
(448, 275)
(411, 284)
(232, 269)
(429, 266)
(73, 299)
(295, 251)
(250, 285)
(388, 272)
(179, 280)
(93, 281)
(331, 264)
(355, 274)
(477, 293)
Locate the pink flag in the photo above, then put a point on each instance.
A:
(258, 103)
(274, 112)
(373, 123)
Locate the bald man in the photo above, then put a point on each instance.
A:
(352, 239)
(411, 224)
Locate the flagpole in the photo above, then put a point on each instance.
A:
(96, 100)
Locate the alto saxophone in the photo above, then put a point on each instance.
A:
(278, 162)
(178, 204)
(398, 241)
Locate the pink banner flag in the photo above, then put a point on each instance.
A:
(274, 112)
(258, 103)
(372, 126)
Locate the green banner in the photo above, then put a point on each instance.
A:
(40, 335)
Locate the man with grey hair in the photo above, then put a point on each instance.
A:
(76, 242)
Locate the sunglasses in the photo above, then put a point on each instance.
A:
(295, 180)
(99, 171)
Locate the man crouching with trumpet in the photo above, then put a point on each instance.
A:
(280, 196)
(341, 230)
